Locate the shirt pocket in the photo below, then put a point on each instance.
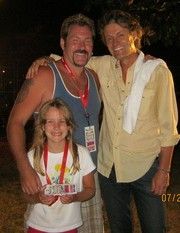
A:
(148, 105)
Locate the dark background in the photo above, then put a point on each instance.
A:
(30, 29)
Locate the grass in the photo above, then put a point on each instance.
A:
(12, 205)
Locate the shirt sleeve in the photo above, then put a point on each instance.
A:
(55, 56)
(86, 163)
(93, 63)
(167, 107)
(30, 155)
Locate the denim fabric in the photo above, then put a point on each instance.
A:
(117, 199)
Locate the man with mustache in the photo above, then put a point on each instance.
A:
(78, 87)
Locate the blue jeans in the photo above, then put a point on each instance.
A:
(117, 198)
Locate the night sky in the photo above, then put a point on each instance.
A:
(37, 23)
(38, 20)
(20, 16)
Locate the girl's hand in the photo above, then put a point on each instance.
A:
(66, 199)
(46, 199)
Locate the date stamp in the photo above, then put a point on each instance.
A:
(170, 197)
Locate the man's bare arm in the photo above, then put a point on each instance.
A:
(42, 61)
(30, 97)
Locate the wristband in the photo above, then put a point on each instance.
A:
(163, 170)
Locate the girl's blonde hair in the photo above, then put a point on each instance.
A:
(40, 137)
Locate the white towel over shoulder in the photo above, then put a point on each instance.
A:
(142, 74)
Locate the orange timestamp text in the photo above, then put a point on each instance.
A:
(170, 197)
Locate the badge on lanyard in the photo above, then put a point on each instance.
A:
(90, 138)
(60, 189)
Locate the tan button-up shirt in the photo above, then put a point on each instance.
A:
(133, 154)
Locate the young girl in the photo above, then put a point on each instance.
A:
(58, 160)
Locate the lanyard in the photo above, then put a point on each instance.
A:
(84, 95)
(62, 170)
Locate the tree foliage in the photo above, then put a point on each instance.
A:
(159, 18)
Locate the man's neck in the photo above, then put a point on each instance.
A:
(76, 71)
(126, 62)
(74, 77)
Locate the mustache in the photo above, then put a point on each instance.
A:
(81, 51)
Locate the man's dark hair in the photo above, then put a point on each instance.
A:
(78, 19)
(124, 19)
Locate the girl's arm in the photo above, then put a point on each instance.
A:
(88, 188)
